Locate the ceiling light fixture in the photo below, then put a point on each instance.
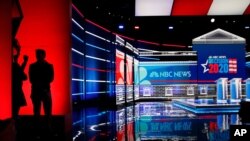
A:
(212, 20)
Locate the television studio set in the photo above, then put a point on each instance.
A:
(125, 70)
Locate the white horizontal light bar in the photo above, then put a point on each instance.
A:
(79, 39)
(92, 128)
(94, 46)
(96, 58)
(77, 24)
(103, 92)
(149, 58)
(129, 46)
(75, 79)
(228, 7)
(119, 40)
(142, 65)
(74, 94)
(148, 50)
(76, 51)
(100, 81)
(153, 7)
(169, 62)
(79, 121)
(97, 36)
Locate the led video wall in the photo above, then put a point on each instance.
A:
(129, 77)
(120, 76)
(136, 79)
(222, 60)
(162, 73)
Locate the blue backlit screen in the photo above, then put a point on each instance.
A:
(167, 73)
(220, 60)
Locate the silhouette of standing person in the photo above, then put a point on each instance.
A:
(18, 76)
(41, 74)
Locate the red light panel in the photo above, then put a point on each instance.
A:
(46, 24)
(5, 60)
(247, 11)
(191, 7)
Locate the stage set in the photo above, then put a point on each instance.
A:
(211, 78)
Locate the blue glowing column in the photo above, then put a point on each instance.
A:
(234, 119)
(222, 90)
(248, 89)
(235, 89)
(222, 122)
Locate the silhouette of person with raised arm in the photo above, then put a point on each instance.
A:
(41, 74)
(18, 76)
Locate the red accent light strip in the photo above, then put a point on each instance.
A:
(78, 11)
(78, 66)
(173, 80)
(95, 24)
(173, 45)
(125, 37)
(100, 70)
(206, 80)
(94, 69)
(148, 42)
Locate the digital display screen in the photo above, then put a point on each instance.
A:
(129, 67)
(167, 73)
(120, 77)
(136, 78)
(220, 60)
(119, 71)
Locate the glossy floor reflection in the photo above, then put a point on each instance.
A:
(158, 121)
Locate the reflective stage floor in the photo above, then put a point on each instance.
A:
(207, 106)
(158, 121)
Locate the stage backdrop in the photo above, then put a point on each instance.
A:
(220, 54)
(46, 25)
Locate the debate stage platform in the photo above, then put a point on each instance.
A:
(207, 106)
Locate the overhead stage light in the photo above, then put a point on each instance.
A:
(136, 27)
(212, 20)
(170, 27)
(121, 26)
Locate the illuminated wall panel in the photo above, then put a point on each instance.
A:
(120, 77)
(153, 7)
(78, 56)
(5, 59)
(97, 62)
(47, 25)
(129, 78)
(136, 79)
(189, 8)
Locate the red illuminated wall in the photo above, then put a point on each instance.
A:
(194, 7)
(5, 59)
(46, 25)
(129, 64)
(119, 71)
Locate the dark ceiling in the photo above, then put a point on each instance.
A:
(111, 13)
